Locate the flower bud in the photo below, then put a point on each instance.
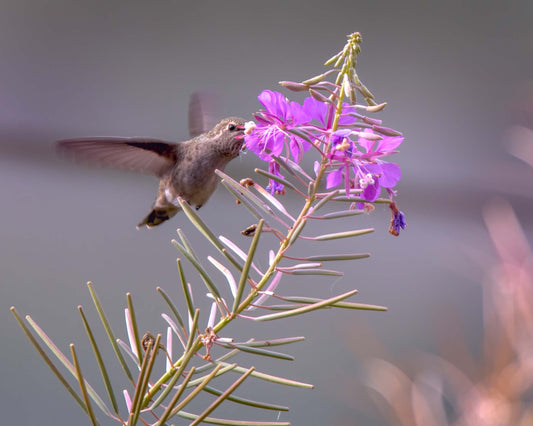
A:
(376, 108)
(387, 131)
(295, 87)
(320, 97)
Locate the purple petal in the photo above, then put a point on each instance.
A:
(334, 178)
(371, 192)
(390, 175)
(316, 110)
(389, 143)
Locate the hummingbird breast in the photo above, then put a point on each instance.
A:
(194, 177)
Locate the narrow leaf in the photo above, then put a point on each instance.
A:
(345, 305)
(324, 200)
(48, 361)
(258, 351)
(222, 397)
(196, 391)
(310, 271)
(272, 379)
(109, 331)
(270, 198)
(133, 319)
(204, 229)
(203, 274)
(68, 365)
(243, 201)
(166, 414)
(100, 361)
(274, 342)
(250, 196)
(246, 268)
(336, 215)
(306, 309)
(171, 306)
(346, 234)
(185, 287)
(226, 422)
(333, 257)
(83, 389)
(248, 402)
(297, 231)
(276, 178)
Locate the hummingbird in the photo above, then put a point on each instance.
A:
(185, 169)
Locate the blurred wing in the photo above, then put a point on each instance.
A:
(151, 156)
(202, 109)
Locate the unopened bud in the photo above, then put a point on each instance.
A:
(369, 136)
(320, 97)
(376, 108)
(386, 131)
(314, 80)
(292, 85)
(372, 121)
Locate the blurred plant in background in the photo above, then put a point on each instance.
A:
(495, 388)
(350, 147)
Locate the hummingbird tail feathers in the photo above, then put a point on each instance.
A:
(157, 216)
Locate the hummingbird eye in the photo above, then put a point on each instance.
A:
(232, 126)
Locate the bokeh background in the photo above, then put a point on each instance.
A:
(456, 76)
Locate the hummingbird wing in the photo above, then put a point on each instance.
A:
(202, 108)
(144, 155)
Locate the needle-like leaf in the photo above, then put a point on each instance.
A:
(99, 360)
(109, 331)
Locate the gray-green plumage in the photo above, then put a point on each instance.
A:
(186, 169)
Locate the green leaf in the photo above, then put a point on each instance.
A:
(346, 234)
(222, 397)
(248, 402)
(68, 365)
(203, 274)
(83, 389)
(258, 351)
(276, 178)
(166, 414)
(250, 196)
(305, 309)
(226, 422)
(336, 215)
(272, 379)
(246, 268)
(206, 232)
(311, 271)
(48, 361)
(345, 305)
(185, 287)
(100, 361)
(133, 319)
(109, 331)
(335, 257)
(171, 306)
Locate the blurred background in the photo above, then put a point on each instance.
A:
(458, 79)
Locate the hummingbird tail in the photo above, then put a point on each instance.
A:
(157, 216)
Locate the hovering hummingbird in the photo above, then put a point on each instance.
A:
(186, 169)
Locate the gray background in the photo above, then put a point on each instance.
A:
(455, 75)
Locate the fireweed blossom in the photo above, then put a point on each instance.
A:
(354, 153)
(272, 132)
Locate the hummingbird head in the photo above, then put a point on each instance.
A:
(229, 134)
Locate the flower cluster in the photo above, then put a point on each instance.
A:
(351, 147)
